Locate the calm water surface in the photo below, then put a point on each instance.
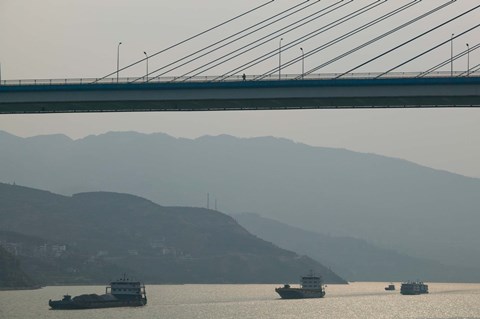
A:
(357, 300)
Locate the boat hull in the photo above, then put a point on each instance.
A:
(299, 293)
(73, 305)
(413, 293)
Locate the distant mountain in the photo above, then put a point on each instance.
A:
(354, 259)
(391, 203)
(94, 237)
(11, 274)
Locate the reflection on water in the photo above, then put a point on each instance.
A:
(357, 300)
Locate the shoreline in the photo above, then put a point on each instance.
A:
(21, 288)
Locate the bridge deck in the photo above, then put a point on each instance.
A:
(242, 95)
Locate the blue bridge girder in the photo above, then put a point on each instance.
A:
(413, 92)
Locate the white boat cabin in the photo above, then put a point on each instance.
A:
(311, 282)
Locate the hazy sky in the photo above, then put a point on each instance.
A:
(78, 39)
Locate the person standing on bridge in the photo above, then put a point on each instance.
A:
(244, 77)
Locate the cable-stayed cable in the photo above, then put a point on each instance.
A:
(328, 27)
(378, 38)
(476, 69)
(409, 41)
(428, 51)
(448, 61)
(282, 31)
(348, 35)
(229, 37)
(472, 70)
(306, 37)
(191, 38)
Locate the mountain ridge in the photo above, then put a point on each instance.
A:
(347, 193)
(354, 258)
(87, 237)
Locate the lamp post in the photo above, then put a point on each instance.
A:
(303, 63)
(146, 76)
(451, 55)
(468, 59)
(280, 59)
(118, 58)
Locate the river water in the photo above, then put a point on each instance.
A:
(357, 300)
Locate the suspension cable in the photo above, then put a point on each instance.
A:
(190, 38)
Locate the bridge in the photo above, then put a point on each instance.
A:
(192, 90)
(203, 95)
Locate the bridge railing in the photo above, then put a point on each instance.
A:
(235, 78)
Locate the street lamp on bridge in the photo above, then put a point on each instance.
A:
(451, 54)
(468, 59)
(303, 63)
(280, 59)
(118, 58)
(146, 75)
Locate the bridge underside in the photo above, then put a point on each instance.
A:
(272, 95)
(234, 105)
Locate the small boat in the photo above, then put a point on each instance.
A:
(390, 287)
(311, 286)
(413, 288)
(120, 293)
